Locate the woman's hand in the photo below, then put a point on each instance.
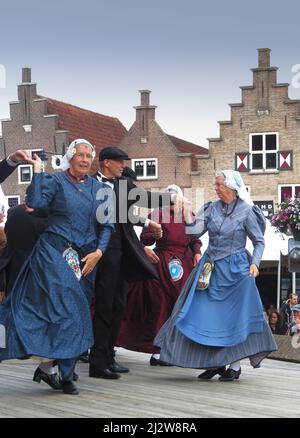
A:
(152, 257)
(187, 211)
(178, 201)
(36, 162)
(91, 260)
(253, 271)
(2, 217)
(156, 230)
(19, 156)
(197, 258)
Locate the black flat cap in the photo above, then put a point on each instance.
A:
(112, 153)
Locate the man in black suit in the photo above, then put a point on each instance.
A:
(23, 227)
(123, 261)
(9, 164)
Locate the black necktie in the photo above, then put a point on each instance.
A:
(110, 180)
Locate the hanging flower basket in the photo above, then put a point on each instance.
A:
(287, 219)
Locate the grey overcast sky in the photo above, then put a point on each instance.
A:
(193, 54)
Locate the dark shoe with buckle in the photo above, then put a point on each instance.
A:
(209, 374)
(102, 373)
(115, 367)
(230, 375)
(75, 377)
(154, 362)
(52, 380)
(68, 387)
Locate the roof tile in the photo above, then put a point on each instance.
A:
(188, 147)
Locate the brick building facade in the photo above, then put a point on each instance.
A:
(46, 125)
(159, 159)
(261, 140)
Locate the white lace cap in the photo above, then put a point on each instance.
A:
(71, 151)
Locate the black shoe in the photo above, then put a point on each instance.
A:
(154, 362)
(115, 367)
(75, 377)
(103, 374)
(84, 358)
(209, 374)
(68, 387)
(52, 380)
(230, 375)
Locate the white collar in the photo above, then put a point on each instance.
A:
(100, 176)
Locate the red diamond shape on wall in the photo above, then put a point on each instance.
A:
(284, 160)
(242, 162)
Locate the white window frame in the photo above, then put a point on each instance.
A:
(21, 166)
(12, 196)
(29, 151)
(146, 177)
(293, 186)
(263, 152)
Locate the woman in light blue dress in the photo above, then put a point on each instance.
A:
(224, 323)
(47, 313)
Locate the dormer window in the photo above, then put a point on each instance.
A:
(145, 168)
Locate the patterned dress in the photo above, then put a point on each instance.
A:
(224, 323)
(47, 312)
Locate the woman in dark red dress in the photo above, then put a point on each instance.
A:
(150, 303)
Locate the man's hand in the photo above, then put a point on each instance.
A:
(36, 162)
(91, 260)
(197, 258)
(152, 257)
(19, 155)
(156, 229)
(2, 216)
(253, 271)
(2, 296)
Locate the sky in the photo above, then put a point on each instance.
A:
(192, 54)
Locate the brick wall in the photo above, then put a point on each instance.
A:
(44, 134)
(173, 167)
(282, 116)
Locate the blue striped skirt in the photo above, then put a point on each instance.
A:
(220, 325)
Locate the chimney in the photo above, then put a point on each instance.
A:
(145, 97)
(26, 94)
(264, 58)
(144, 113)
(26, 75)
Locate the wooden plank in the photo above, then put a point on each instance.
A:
(152, 392)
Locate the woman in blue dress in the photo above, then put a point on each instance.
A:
(223, 323)
(47, 313)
